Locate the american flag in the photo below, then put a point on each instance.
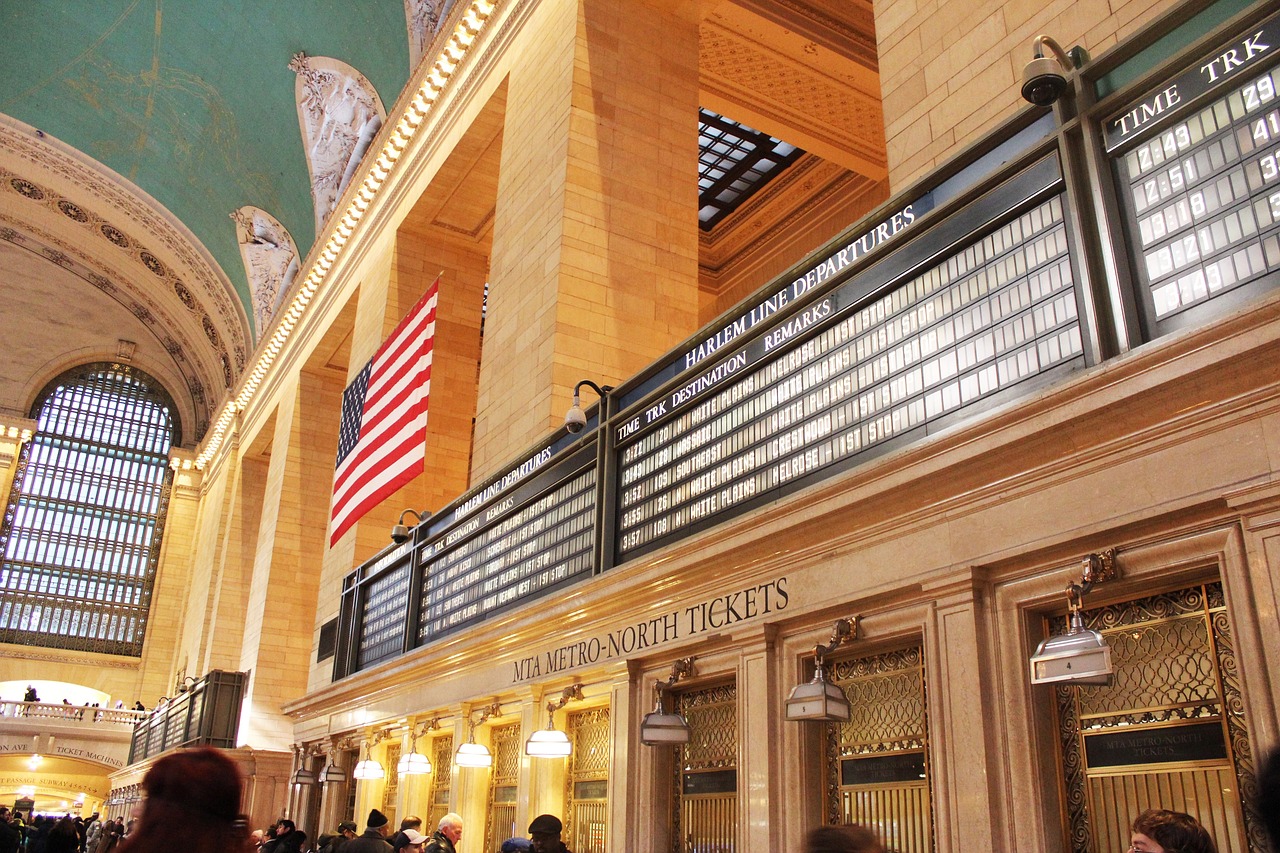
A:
(382, 439)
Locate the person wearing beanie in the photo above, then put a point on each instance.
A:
(544, 835)
(374, 839)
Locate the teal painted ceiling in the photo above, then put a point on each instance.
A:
(193, 100)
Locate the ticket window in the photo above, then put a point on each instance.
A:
(504, 743)
(1163, 734)
(586, 826)
(441, 782)
(391, 785)
(877, 763)
(705, 813)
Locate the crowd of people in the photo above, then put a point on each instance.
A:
(192, 801)
(65, 834)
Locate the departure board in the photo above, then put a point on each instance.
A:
(508, 555)
(1202, 181)
(382, 624)
(998, 309)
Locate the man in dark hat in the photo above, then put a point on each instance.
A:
(374, 839)
(544, 835)
(338, 842)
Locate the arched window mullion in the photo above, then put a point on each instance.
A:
(81, 535)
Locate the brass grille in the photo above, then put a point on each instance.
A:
(391, 790)
(587, 781)
(441, 749)
(1175, 684)
(877, 763)
(705, 817)
(504, 743)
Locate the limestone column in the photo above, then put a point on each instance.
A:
(282, 591)
(594, 258)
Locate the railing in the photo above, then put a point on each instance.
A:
(70, 713)
(1040, 251)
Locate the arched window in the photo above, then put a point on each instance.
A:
(81, 532)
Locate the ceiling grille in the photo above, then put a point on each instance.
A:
(734, 161)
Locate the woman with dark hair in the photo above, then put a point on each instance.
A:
(63, 837)
(193, 802)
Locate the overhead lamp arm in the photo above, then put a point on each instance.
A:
(844, 631)
(570, 693)
(1094, 569)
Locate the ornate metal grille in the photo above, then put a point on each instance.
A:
(391, 790)
(587, 782)
(877, 763)
(705, 817)
(1167, 732)
(504, 742)
(81, 533)
(441, 780)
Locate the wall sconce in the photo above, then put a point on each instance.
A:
(472, 754)
(659, 727)
(415, 763)
(575, 420)
(368, 768)
(1043, 80)
(400, 532)
(332, 774)
(819, 700)
(551, 742)
(1080, 656)
(303, 775)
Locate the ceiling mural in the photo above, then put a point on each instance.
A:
(151, 156)
(193, 102)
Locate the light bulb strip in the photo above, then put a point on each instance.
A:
(447, 62)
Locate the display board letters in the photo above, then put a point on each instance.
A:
(875, 359)
(1197, 161)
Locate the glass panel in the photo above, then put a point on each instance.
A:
(81, 534)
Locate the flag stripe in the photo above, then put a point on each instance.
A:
(384, 419)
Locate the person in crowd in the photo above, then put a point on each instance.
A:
(544, 835)
(398, 841)
(374, 838)
(38, 834)
(9, 834)
(109, 837)
(515, 845)
(138, 706)
(285, 838)
(1269, 796)
(62, 837)
(92, 833)
(447, 834)
(86, 828)
(1165, 831)
(337, 843)
(849, 838)
(192, 794)
(413, 840)
(30, 695)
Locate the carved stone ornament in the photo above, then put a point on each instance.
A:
(270, 260)
(339, 113)
(423, 18)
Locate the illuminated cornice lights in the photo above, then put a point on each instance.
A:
(343, 228)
